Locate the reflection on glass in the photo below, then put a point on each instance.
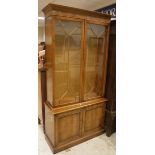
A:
(67, 61)
(94, 61)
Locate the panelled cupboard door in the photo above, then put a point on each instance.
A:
(93, 119)
(68, 126)
(94, 60)
(67, 71)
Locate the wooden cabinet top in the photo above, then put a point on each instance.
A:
(53, 9)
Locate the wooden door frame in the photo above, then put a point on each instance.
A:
(105, 57)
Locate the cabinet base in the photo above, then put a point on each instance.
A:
(73, 124)
(72, 143)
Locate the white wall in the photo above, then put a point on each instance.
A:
(41, 34)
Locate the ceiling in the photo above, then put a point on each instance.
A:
(82, 4)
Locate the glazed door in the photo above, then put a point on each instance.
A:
(94, 60)
(67, 71)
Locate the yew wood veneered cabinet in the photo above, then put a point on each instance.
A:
(76, 62)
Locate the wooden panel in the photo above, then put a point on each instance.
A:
(41, 94)
(49, 57)
(49, 125)
(54, 8)
(78, 106)
(74, 142)
(44, 94)
(68, 126)
(94, 118)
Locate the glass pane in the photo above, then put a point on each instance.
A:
(94, 61)
(67, 61)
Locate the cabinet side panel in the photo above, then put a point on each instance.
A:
(48, 41)
(49, 125)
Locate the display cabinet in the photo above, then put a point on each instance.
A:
(76, 62)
